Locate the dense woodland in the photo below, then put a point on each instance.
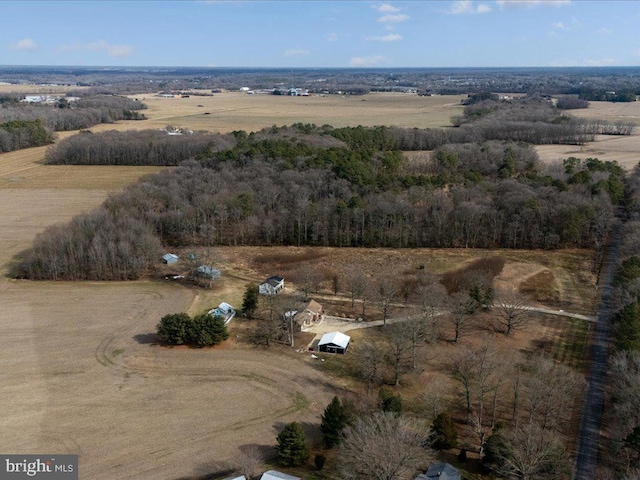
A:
(622, 419)
(343, 187)
(26, 125)
(144, 147)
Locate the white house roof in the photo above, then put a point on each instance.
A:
(241, 477)
(169, 256)
(225, 307)
(274, 475)
(337, 338)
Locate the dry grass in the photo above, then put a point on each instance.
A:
(238, 111)
(542, 287)
(32, 89)
(622, 149)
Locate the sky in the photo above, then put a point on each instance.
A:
(319, 33)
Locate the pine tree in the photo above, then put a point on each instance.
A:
(336, 417)
(250, 300)
(444, 432)
(292, 445)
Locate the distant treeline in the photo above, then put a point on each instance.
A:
(264, 191)
(601, 95)
(527, 120)
(62, 116)
(145, 147)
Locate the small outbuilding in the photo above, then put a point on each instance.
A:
(440, 471)
(207, 272)
(170, 258)
(241, 477)
(334, 342)
(224, 310)
(271, 285)
(275, 475)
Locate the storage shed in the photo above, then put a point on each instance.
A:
(207, 272)
(334, 342)
(275, 475)
(170, 258)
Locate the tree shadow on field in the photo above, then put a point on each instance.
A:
(146, 338)
(210, 471)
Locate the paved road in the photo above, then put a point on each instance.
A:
(589, 436)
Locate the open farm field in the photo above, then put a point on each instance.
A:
(33, 89)
(225, 112)
(80, 376)
(623, 149)
(611, 111)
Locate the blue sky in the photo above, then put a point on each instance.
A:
(318, 33)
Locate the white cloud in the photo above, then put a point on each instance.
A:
(119, 50)
(393, 18)
(461, 7)
(99, 46)
(295, 52)
(25, 45)
(558, 25)
(604, 31)
(371, 61)
(332, 37)
(392, 37)
(385, 8)
(533, 3)
(602, 62)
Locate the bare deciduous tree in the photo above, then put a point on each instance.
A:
(249, 461)
(386, 293)
(383, 446)
(512, 312)
(533, 452)
(369, 358)
(461, 314)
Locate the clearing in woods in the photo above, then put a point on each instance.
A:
(79, 372)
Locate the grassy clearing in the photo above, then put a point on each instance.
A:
(571, 345)
(237, 111)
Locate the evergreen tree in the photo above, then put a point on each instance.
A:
(173, 329)
(390, 402)
(209, 330)
(444, 432)
(292, 446)
(336, 417)
(250, 300)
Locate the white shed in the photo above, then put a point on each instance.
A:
(275, 475)
(334, 342)
(170, 258)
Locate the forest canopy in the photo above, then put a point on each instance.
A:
(308, 185)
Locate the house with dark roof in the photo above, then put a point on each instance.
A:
(440, 471)
(271, 285)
